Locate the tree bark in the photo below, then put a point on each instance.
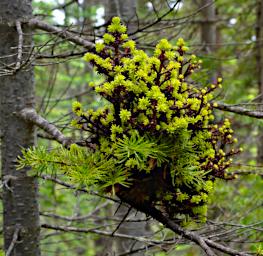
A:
(21, 215)
(125, 9)
(209, 31)
(208, 28)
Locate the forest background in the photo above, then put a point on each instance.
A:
(226, 35)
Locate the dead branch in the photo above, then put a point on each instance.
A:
(63, 33)
(77, 218)
(239, 110)
(13, 242)
(104, 233)
(64, 184)
(20, 44)
(205, 243)
(29, 114)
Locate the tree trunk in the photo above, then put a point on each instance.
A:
(259, 63)
(209, 31)
(208, 28)
(21, 215)
(125, 9)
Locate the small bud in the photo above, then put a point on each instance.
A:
(181, 76)
(229, 136)
(216, 166)
(180, 58)
(212, 86)
(215, 104)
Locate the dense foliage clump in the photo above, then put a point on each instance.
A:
(155, 142)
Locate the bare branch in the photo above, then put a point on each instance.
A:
(20, 44)
(171, 9)
(63, 33)
(65, 5)
(205, 243)
(64, 184)
(13, 242)
(104, 233)
(29, 114)
(240, 110)
(6, 182)
(123, 220)
(250, 226)
(77, 218)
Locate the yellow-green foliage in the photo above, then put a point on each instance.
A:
(157, 132)
(153, 98)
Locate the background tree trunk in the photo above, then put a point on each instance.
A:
(125, 9)
(208, 28)
(259, 62)
(21, 215)
(209, 31)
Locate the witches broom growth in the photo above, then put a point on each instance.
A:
(155, 143)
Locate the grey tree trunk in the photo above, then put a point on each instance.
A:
(21, 215)
(259, 63)
(125, 9)
(208, 28)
